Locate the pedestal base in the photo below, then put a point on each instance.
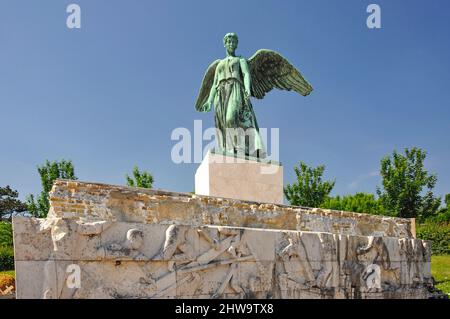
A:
(108, 241)
(246, 178)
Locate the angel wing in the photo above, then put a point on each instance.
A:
(270, 70)
(207, 83)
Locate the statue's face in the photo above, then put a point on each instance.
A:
(231, 44)
(136, 241)
(135, 238)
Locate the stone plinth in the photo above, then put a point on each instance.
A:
(106, 241)
(244, 178)
(98, 202)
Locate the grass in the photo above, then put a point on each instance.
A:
(440, 269)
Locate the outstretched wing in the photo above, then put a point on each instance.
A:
(270, 70)
(207, 83)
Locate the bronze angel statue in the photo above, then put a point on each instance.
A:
(228, 85)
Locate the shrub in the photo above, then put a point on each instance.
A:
(6, 280)
(6, 234)
(442, 217)
(438, 233)
(358, 203)
(6, 258)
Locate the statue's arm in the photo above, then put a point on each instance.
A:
(247, 78)
(212, 93)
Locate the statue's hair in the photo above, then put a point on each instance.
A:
(133, 233)
(230, 35)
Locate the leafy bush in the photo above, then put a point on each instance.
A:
(358, 203)
(438, 233)
(309, 190)
(6, 258)
(6, 234)
(407, 187)
(442, 217)
(6, 280)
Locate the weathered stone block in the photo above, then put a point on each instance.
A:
(135, 243)
(174, 261)
(240, 178)
(120, 203)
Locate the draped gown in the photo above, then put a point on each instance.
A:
(235, 119)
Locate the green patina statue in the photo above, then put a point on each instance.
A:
(229, 83)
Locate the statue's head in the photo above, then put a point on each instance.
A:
(230, 41)
(135, 238)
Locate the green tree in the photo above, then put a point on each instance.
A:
(358, 203)
(141, 179)
(9, 203)
(49, 172)
(446, 209)
(443, 215)
(309, 190)
(407, 186)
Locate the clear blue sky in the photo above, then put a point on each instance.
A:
(108, 96)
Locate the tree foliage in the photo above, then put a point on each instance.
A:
(6, 234)
(49, 172)
(439, 235)
(140, 179)
(407, 187)
(310, 190)
(9, 203)
(358, 203)
(443, 214)
(6, 258)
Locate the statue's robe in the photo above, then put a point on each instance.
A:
(235, 119)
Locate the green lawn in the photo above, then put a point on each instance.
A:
(8, 272)
(440, 269)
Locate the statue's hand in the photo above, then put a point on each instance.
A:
(247, 95)
(206, 107)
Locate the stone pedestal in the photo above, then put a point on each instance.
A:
(245, 178)
(106, 241)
